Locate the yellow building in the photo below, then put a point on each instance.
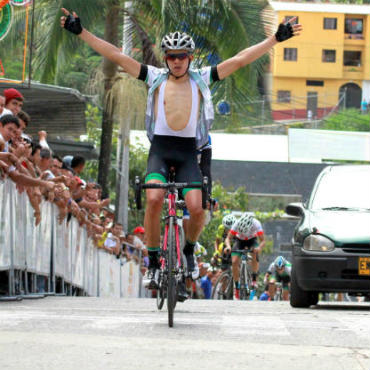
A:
(327, 65)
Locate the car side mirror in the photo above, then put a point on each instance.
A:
(295, 209)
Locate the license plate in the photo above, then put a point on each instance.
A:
(364, 266)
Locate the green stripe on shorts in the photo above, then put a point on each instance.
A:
(155, 176)
(236, 254)
(186, 190)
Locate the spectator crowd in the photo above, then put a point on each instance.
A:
(31, 164)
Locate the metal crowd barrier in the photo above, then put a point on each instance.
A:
(55, 258)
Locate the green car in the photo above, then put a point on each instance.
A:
(331, 243)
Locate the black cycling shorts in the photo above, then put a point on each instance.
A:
(172, 151)
(284, 279)
(244, 244)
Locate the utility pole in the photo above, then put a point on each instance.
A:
(123, 147)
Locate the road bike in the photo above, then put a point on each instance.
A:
(172, 271)
(224, 285)
(246, 286)
(278, 292)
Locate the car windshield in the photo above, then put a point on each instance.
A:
(343, 190)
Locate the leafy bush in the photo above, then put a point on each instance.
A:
(347, 120)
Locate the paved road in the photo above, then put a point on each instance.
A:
(103, 334)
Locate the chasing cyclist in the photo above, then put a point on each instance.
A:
(279, 271)
(246, 232)
(222, 257)
(179, 115)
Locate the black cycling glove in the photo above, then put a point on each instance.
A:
(73, 25)
(284, 32)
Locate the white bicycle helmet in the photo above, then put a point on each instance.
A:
(245, 223)
(228, 221)
(178, 41)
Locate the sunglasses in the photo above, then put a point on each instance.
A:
(180, 56)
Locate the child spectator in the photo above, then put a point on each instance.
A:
(9, 125)
(13, 100)
(112, 244)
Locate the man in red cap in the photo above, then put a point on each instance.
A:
(13, 100)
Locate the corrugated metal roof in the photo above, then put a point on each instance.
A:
(320, 7)
(58, 110)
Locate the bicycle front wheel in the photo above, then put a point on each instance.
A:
(245, 283)
(171, 282)
(223, 288)
(161, 292)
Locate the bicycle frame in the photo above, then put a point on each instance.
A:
(171, 271)
(245, 273)
(172, 214)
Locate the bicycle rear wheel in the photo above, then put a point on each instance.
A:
(223, 288)
(171, 282)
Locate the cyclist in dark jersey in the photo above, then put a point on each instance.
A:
(279, 271)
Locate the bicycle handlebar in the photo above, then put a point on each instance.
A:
(243, 251)
(171, 186)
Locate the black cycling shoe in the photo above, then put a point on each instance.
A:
(190, 263)
(153, 276)
(182, 294)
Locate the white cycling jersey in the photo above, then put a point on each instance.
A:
(253, 232)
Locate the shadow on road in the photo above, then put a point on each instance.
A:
(338, 306)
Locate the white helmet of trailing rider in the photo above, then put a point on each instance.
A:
(228, 221)
(178, 41)
(245, 223)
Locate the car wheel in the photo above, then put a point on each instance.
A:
(299, 298)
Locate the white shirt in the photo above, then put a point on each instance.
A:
(6, 150)
(5, 112)
(50, 175)
(110, 242)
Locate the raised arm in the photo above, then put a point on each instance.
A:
(72, 23)
(249, 55)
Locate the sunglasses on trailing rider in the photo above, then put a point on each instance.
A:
(172, 57)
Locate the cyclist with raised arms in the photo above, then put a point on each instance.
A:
(179, 115)
(246, 232)
(279, 271)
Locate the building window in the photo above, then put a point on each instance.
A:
(330, 23)
(352, 58)
(288, 17)
(328, 56)
(283, 96)
(353, 27)
(290, 54)
(314, 83)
